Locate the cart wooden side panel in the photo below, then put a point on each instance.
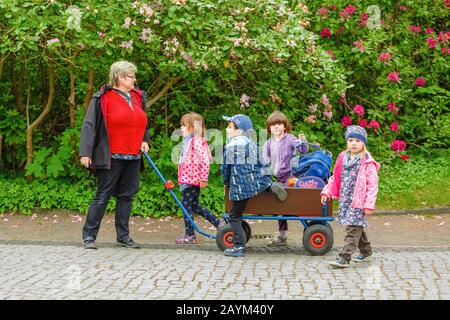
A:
(300, 202)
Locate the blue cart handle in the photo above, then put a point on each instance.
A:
(169, 186)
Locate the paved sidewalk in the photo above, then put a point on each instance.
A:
(43, 258)
(71, 272)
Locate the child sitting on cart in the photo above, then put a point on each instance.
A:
(278, 151)
(242, 171)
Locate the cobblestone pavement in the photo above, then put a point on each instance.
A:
(30, 271)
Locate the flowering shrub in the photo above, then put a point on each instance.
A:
(397, 60)
(327, 64)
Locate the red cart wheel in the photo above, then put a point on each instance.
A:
(318, 239)
(224, 237)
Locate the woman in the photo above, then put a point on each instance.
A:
(113, 134)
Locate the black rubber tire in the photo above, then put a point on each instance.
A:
(247, 230)
(224, 237)
(311, 223)
(318, 239)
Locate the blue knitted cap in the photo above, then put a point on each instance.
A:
(357, 132)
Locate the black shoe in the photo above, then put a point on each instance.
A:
(90, 244)
(128, 243)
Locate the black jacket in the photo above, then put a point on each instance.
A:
(94, 142)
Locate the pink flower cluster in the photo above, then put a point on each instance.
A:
(327, 113)
(415, 29)
(325, 32)
(447, 3)
(145, 35)
(393, 76)
(363, 18)
(52, 41)
(385, 57)
(359, 45)
(359, 110)
(346, 121)
(398, 145)
(347, 12)
(127, 44)
(443, 39)
(393, 108)
(420, 81)
(373, 124)
(394, 126)
(323, 11)
(244, 101)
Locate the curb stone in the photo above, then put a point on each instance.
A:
(212, 247)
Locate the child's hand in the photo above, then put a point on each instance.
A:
(324, 199)
(203, 184)
(368, 212)
(302, 137)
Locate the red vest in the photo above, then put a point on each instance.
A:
(125, 125)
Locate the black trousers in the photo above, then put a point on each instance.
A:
(122, 180)
(191, 201)
(236, 222)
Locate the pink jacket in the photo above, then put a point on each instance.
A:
(366, 187)
(195, 166)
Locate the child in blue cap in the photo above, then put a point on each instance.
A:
(241, 170)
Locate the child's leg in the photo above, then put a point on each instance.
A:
(283, 228)
(364, 245)
(236, 222)
(188, 199)
(351, 241)
(197, 208)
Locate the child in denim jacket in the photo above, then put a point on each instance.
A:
(242, 171)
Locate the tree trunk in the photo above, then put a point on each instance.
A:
(72, 96)
(38, 121)
(19, 89)
(167, 87)
(2, 57)
(43, 72)
(90, 90)
(12, 75)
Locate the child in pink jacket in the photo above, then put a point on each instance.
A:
(355, 183)
(193, 170)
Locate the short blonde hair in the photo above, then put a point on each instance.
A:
(194, 121)
(120, 69)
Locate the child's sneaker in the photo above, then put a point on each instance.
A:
(279, 241)
(186, 240)
(235, 252)
(279, 191)
(362, 257)
(340, 263)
